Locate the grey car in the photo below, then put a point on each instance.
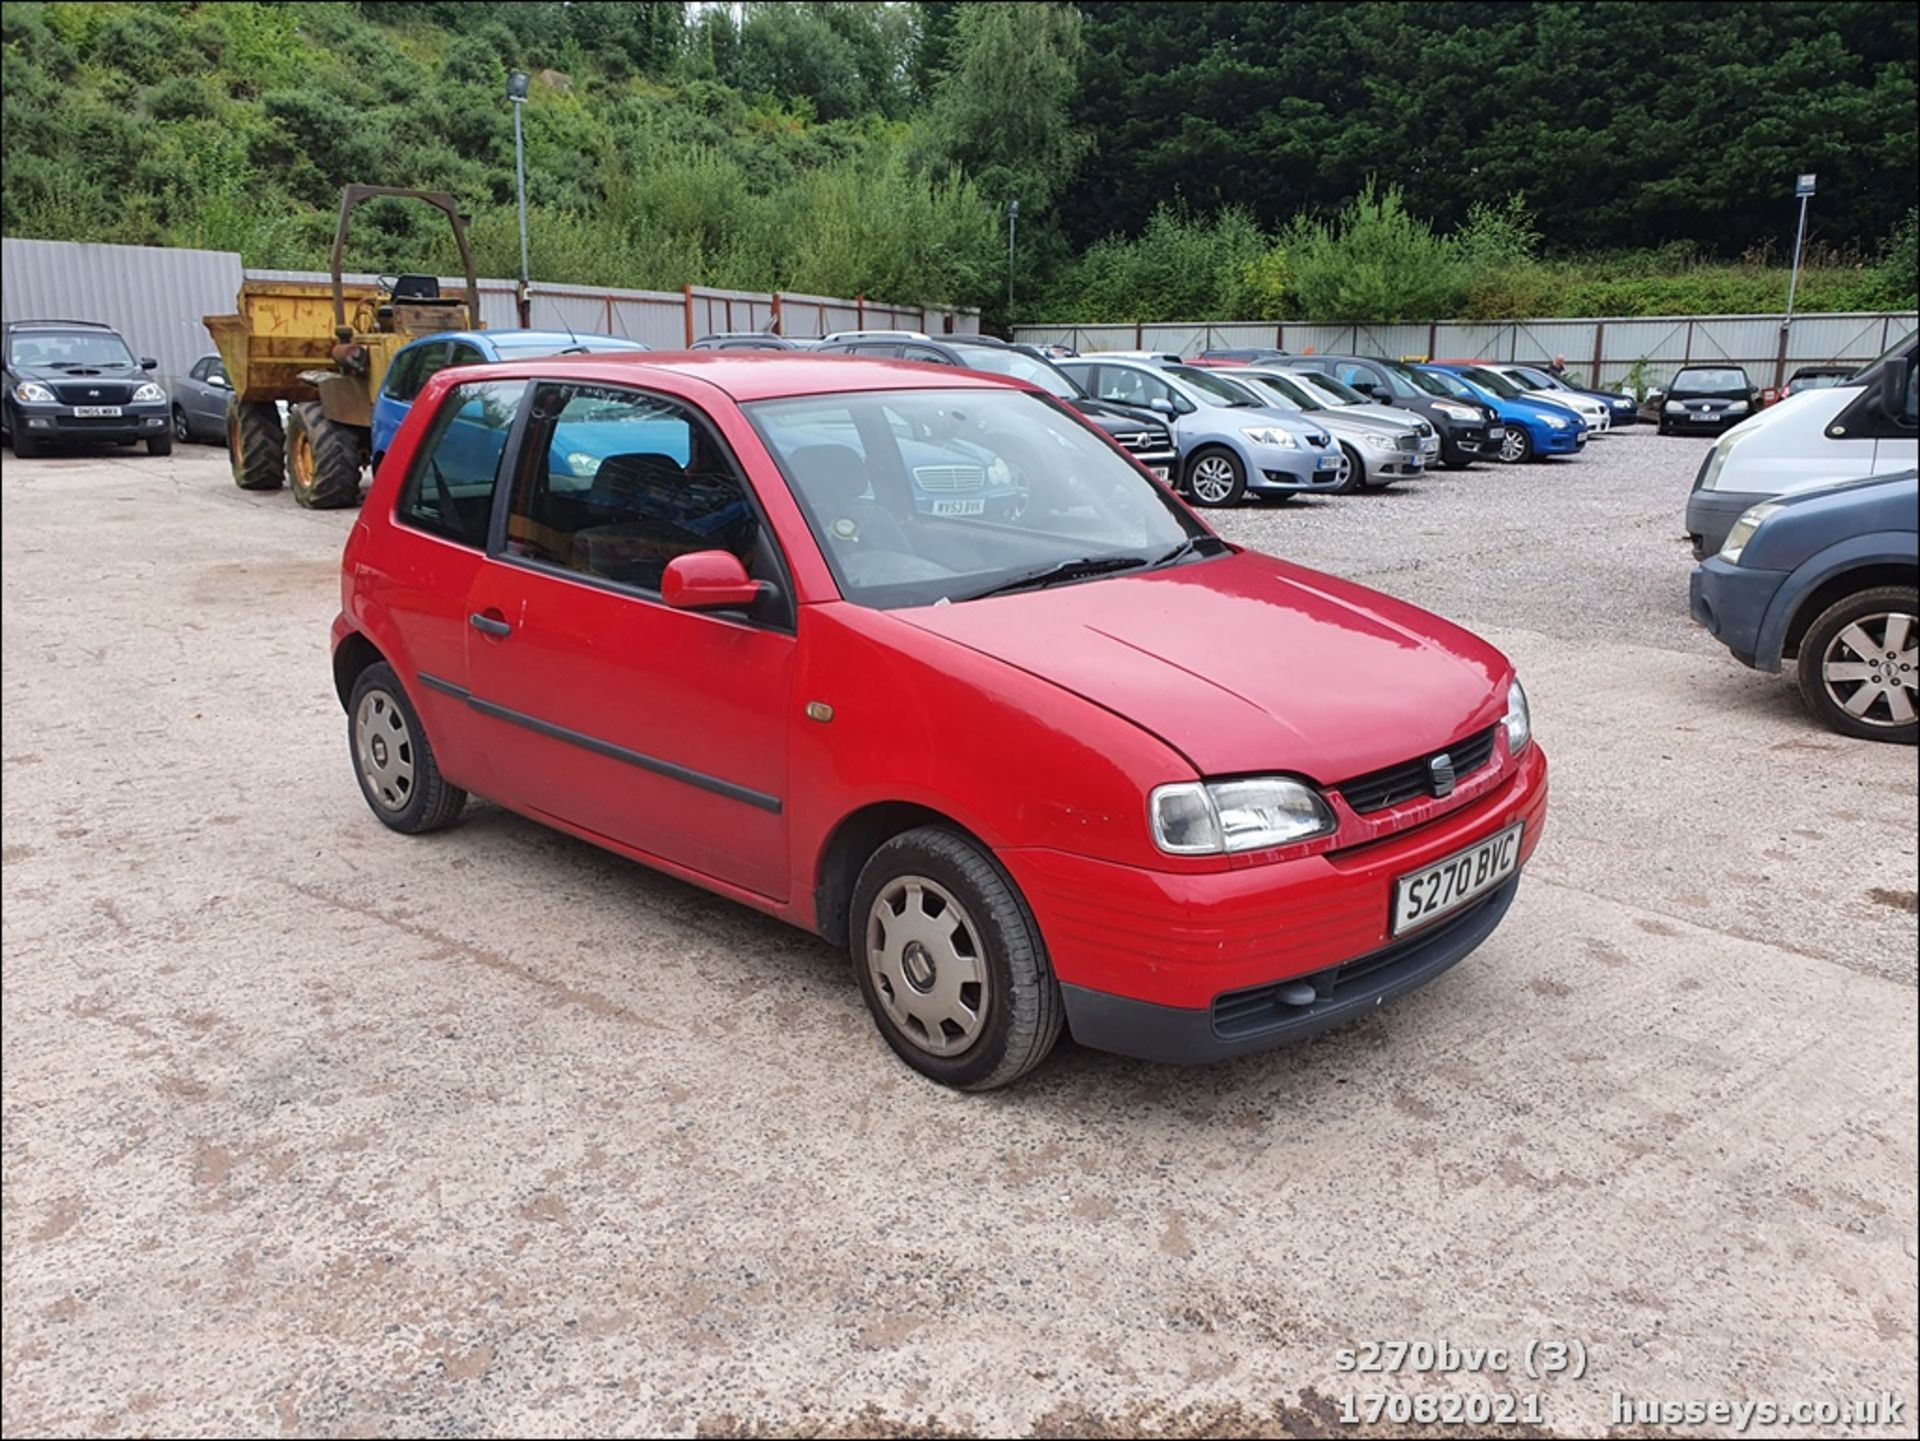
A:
(1232, 444)
(1381, 444)
(200, 401)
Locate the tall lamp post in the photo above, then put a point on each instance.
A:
(1803, 188)
(1013, 219)
(517, 96)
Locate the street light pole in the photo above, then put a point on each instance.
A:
(1013, 219)
(1803, 187)
(517, 96)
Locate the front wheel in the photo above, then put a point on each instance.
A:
(951, 963)
(1216, 478)
(1455, 464)
(160, 444)
(1516, 446)
(25, 447)
(1352, 473)
(323, 459)
(1859, 664)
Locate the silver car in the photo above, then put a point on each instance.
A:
(1232, 442)
(1380, 448)
(200, 401)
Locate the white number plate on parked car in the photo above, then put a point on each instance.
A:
(95, 410)
(959, 507)
(1447, 885)
(1329, 462)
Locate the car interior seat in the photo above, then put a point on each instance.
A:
(834, 480)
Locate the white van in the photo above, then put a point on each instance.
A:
(1863, 426)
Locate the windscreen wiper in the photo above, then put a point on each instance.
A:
(1075, 569)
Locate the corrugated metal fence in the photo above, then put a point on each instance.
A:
(155, 297)
(1607, 349)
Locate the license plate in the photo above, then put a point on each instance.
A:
(1428, 894)
(959, 507)
(1329, 462)
(90, 411)
(1430, 446)
(1498, 432)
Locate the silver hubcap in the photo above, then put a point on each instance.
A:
(1345, 472)
(1512, 445)
(928, 965)
(1213, 478)
(1870, 672)
(383, 746)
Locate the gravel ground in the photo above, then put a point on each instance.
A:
(311, 1128)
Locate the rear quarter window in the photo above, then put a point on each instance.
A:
(449, 490)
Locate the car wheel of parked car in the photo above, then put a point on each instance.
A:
(1215, 477)
(951, 962)
(160, 444)
(1353, 471)
(1516, 446)
(182, 432)
(25, 447)
(323, 459)
(392, 759)
(256, 445)
(1860, 663)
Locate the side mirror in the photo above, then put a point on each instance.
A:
(1161, 404)
(708, 580)
(1896, 395)
(219, 379)
(147, 362)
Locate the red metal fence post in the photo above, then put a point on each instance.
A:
(860, 312)
(775, 323)
(1599, 350)
(686, 294)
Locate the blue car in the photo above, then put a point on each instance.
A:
(419, 362)
(1532, 429)
(1829, 577)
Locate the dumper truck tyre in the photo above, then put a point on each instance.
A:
(256, 448)
(323, 459)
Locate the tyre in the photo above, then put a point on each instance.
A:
(1859, 664)
(182, 432)
(1216, 478)
(1455, 464)
(25, 447)
(160, 444)
(1353, 471)
(1664, 429)
(392, 758)
(951, 962)
(323, 459)
(256, 447)
(1516, 446)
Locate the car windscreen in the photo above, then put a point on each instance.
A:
(518, 346)
(1292, 393)
(996, 361)
(61, 349)
(1339, 390)
(1216, 389)
(1719, 380)
(925, 497)
(1520, 380)
(1537, 379)
(1443, 384)
(1494, 384)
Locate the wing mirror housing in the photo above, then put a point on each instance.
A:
(147, 362)
(709, 580)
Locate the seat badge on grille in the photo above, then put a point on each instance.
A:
(1440, 770)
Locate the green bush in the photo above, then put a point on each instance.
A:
(1374, 262)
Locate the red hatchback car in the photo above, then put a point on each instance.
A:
(917, 660)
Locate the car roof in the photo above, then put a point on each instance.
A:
(746, 375)
(554, 337)
(59, 325)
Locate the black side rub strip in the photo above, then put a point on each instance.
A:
(758, 799)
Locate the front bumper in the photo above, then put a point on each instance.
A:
(1389, 462)
(1548, 441)
(1732, 603)
(1461, 443)
(1710, 516)
(60, 423)
(1705, 424)
(1293, 472)
(1145, 957)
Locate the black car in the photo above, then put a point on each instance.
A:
(75, 380)
(1468, 431)
(750, 340)
(1142, 433)
(1705, 399)
(1817, 377)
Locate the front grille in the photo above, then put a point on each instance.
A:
(1395, 785)
(1146, 440)
(93, 392)
(97, 422)
(947, 479)
(1408, 444)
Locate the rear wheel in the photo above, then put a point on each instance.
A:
(392, 760)
(256, 447)
(1215, 477)
(951, 962)
(323, 459)
(1860, 662)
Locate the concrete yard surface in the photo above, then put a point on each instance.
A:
(312, 1128)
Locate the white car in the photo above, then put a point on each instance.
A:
(1597, 416)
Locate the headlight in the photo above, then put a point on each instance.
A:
(1674, 407)
(1737, 406)
(1519, 721)
(1556, 422)
(1379, 442)
(581, 463)
(1717, 459)
(1270, 435)
(149, 391)
(33, 392)
(1210, 818)
(1457, 412)
(1750, 520)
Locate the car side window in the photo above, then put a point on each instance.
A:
(614, 483)
(201, 368)
(464, 354)
(415, 368)
(923, 353)
(449, 491)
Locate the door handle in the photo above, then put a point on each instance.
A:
(489, 624)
